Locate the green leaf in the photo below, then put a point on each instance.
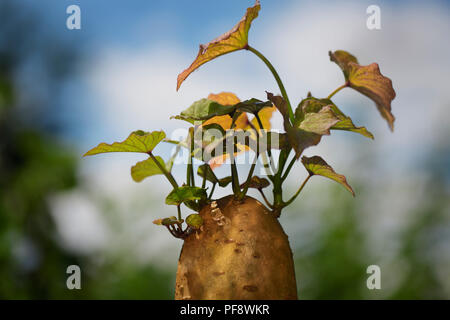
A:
(369, 81)
(205, 170)
(137, 141)
(194, 220)
(233, 40)
(256, 183)
(345, 123)
(319, 122)
(146, 168)
(185, 193)
(204, 109)
(225, 181)
(309, 126)
(253, 106)
(317, 166)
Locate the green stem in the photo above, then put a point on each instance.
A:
(234, 172)
(298, 192)
(189, 169)
(212, 190)
(265, 199)
(277, 78)
(249, 177)
(191, 160)
(269, 151)
(266, 166)
(288, 168)
(164, 171)
(192, 175)
(179, 212)
(204, 182)
(188, 172)
(277, 181)
(337, 90)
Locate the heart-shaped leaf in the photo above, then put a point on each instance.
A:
(205, 171)
(204, 109)
(194, 221)
(369, 81)
(317, 166)
(256, 183)
(233, 40)
(146, 168)
(309, 128)
(345, 123)
(137, 141)
(319, 122)
(184, 194)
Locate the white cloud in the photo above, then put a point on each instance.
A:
(136, 88)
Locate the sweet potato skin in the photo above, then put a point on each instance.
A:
(240, 253)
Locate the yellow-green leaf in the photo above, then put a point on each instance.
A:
(194, 220)
(342, 59)
(146, 168)
(319, 122)
(369, 81)
(309, 125)
(233, 40)
(185, 194)
(317, 166)
(204, 109)
(345, 123)
(137, 141)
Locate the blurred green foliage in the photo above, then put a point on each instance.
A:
(34, 165)
(334, 265)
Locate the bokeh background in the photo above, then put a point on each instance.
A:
(64, 91)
